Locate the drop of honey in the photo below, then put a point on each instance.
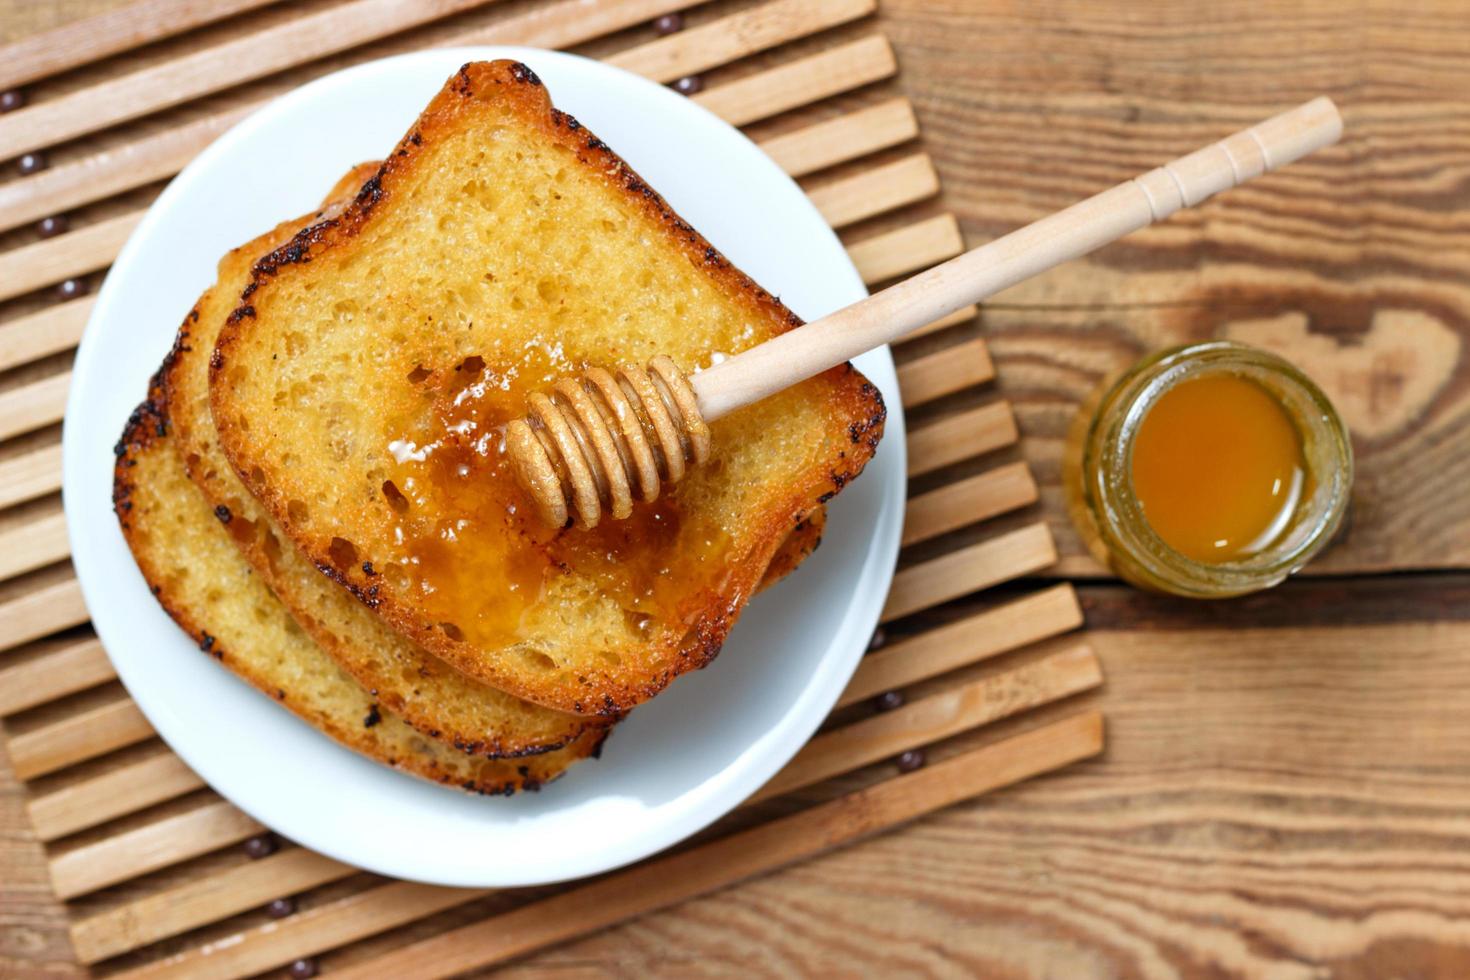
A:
(1218, 468)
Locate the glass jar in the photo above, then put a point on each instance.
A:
(1097, 472)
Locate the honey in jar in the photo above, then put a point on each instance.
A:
(1218, 468)
(1208, 471)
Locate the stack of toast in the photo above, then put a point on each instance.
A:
(315, 487)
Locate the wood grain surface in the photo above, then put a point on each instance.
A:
(1355, 263)
(1286, 790)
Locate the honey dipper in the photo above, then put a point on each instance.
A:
(595, 443)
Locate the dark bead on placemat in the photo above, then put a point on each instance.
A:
(669, 24)
(303, 969)
(11, 100)
(261, 845)
(55, 225)
(888, 700)
(281, 907)
(911, 760)
(70, 288)
(878, 639)
(32, 163)
(690, 85)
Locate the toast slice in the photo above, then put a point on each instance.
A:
(190, 564)
(412, 683)
(359, 386)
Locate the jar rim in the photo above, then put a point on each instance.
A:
(1120, 515)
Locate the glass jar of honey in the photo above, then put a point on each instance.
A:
(1208, 471)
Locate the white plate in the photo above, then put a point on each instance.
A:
(680, 761)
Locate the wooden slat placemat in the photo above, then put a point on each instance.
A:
(146, 856)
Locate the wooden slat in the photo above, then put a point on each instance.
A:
(87, 735)
(38, 542)
(34, 406)
(566, 23)
(56, 328)
(963, 315)
(905, 250)
(801, 82)
(833, 141)
(876, 191)
(945, 372)
(732, 38)
(306, 933)
(215, 68)
(41, 612)
(1016, 624)
(200, 902)
(76, 253)
(69, 668)
(937, 717)
(971, 569)
(151, 158)
(101, 35)
(31, 475)
(968, 501)
(162, 155)
(667, 881)
(961, 436)
(113, 794)
(148, 848)
(113, 170)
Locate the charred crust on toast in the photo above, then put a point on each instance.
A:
(370, 194)
(373, 717)
(298, 249)
(523, 74)
(529, 101)
(368, 597)
(137, 434)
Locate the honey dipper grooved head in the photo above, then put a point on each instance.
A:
(596, 442)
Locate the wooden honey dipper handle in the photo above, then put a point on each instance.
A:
(887, 316)
(601, 441)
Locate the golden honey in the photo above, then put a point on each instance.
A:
(1218, 468)
(452, 484)
(1208, 471)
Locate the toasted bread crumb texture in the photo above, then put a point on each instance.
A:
(436, 699)
(192, 567)
(361, 386)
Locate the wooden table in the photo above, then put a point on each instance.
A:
(1287, 784)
